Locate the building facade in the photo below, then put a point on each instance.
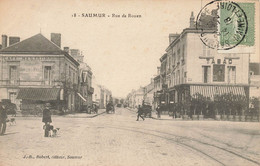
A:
(149, 94)
(36, 70)
(85, 80)
(190, 68)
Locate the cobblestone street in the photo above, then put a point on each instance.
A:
(118, 139)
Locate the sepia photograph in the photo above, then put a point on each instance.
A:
(129, 83)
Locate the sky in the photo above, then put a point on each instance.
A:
(122, 52)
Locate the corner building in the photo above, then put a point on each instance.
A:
(193, 68)
(35, 71)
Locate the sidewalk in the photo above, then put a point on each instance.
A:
(85, 115)
(71, 115)
(163, 117)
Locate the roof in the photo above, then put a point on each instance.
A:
(37, 44)
(41, 94)
(187, 30)
(255, 67)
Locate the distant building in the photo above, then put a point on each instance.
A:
(139, 96)
(101, 95)
(149, 93)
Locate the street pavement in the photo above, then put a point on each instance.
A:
(119, 140)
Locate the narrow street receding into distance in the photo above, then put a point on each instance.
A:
(118, 139)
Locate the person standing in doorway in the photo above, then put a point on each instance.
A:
(46, 118)
(3, 117)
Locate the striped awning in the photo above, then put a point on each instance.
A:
(41, 94)
(81, 97)
(210, 91)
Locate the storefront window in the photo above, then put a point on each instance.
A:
(206, 74)
(218, 73)
(232, 74)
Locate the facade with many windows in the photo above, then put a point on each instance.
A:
(193, 68)
(35, 71)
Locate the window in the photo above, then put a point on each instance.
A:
(218, 73)
(183, 54)
(182, 76)
(178, 55)
(231, 74)
(73, 78)
(174, 58)
(206, 74)
(170, 62)
(13, 74)
(12, 96)
(206, 50)
(178, 77)
(47, 75)
(174, 79)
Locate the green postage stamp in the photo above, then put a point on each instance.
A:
(228, 26)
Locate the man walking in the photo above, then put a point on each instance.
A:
(158, 109)
(46, 118)
(3, 117)
(139, 113)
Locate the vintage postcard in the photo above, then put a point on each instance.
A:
(129, 82)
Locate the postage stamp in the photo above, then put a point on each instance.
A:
(228, 26)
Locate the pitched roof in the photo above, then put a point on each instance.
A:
(35, 44)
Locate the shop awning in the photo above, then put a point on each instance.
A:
(42, 94)
(81, 97)
(210, 91)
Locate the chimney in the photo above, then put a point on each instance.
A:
(192, 20)
(66, 49)
(172, 37)
(56, 38)
(13, 40)
(4, 41)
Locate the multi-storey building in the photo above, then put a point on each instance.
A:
(36, 70)
(85, 76)
(191, 68)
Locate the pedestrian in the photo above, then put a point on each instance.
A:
(3, 117)
(139, 113)
(158, 109)
(46, 118)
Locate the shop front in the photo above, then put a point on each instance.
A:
(34, 99)
(208, 100)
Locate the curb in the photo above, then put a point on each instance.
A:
(161, 119)
(65, 116)
(93, 116)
